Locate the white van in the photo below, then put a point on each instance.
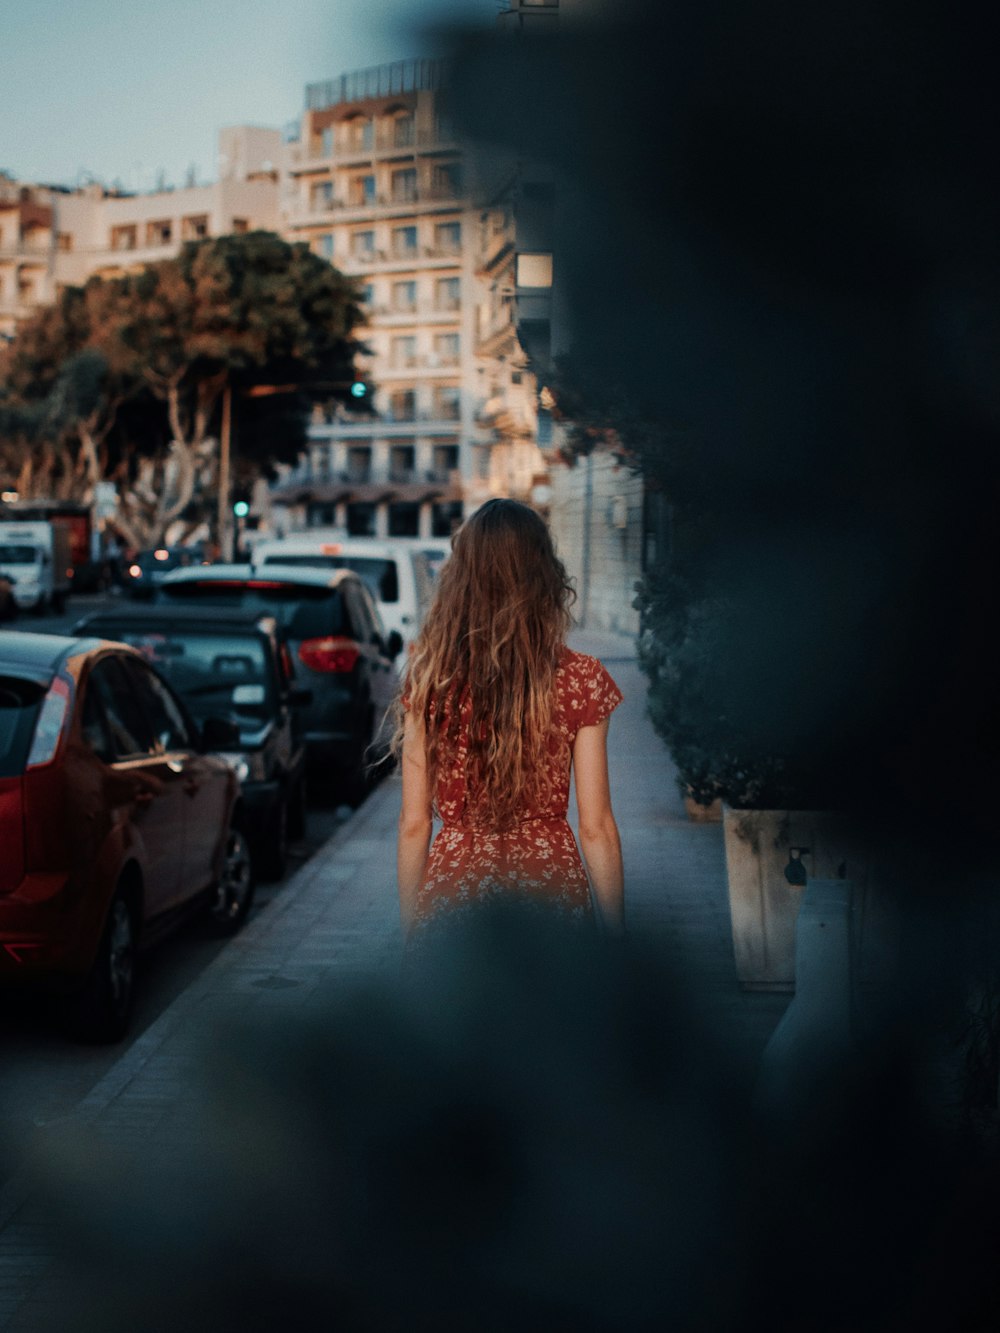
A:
(35, 557)
(396, 573)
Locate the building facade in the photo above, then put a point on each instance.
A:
(374, 182)
(52, 237)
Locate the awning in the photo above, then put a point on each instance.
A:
(291, 495)
(331, 492)
(372, 493)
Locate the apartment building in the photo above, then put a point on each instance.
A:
(51, 236)
(30, 241)
(374, 182)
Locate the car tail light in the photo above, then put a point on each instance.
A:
(49, 727)
(335, 655)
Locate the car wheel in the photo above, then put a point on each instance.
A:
(357, 781)
(100, 1012)
(297, 811)
(234, 891)
(274, 849)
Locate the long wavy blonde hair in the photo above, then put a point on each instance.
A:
(488, 651)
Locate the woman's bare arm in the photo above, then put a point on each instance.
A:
(414, 821)
(599, 840)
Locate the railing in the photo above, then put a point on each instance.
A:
(378, 476)
(401, 76)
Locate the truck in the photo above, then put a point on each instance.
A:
(36, 556)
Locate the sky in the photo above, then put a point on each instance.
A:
(122, 90)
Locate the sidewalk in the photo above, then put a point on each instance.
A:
(338, 916)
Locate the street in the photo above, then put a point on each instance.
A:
(43, 1072)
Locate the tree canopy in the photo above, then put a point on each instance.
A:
(122, 379)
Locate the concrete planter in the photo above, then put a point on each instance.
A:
(763, 904)
(703, 814)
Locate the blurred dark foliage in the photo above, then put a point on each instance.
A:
(531, 1131)
(777, 250)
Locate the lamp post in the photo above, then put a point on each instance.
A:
(225, 436)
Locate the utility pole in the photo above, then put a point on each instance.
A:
(225, 539)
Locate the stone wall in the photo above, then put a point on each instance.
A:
(596, 519)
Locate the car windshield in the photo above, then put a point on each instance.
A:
(211, 669)
(20, 701)
(303, 612)
(377, 573)
(18, 555)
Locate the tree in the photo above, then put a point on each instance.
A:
(95, 371)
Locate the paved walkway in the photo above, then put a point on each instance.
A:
(338, 916)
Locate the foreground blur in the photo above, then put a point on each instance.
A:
(528, 1128)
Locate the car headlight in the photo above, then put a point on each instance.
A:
(247, 767)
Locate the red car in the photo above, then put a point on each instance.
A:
(115, 821)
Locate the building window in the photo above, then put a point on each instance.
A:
(403, 405)
(160, 232)
(359, 464)
(447, 293)
(534, 270)
(124, 238)
(321, 195)
(448, 237)
(326, 141)
(404, 520)
(447, 402)
(358, 134)
(64, 241)
(240, 226)
(361, 192)
(401, 460)
(324, 245)
(402, 131)
(404, 352)
(361, 520)
(368, 294)
(194, 228)
(363, 243)
(404, 240)
(404, 296)
(446, 348)
(404, 185)
(448, 180)
(445, 461)
(447, 517)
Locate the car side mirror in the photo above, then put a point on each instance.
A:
(300, 698)
(218, 733)
(393, 644)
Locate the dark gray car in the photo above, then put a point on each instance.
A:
(342, 656)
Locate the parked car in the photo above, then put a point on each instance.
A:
(8, 603)
(232, 664)
(437, 552)
(396, 573)
(116, 820)
(342, 653)
(144, 573)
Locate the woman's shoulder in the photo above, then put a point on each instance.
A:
(585, 681)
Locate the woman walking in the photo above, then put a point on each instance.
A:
(497, 712)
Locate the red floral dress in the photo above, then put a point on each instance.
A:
(537, 859)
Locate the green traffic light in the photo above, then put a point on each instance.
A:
(359, 389)
(241, 509)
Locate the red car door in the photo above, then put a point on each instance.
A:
(205, 782)
(144, 785)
